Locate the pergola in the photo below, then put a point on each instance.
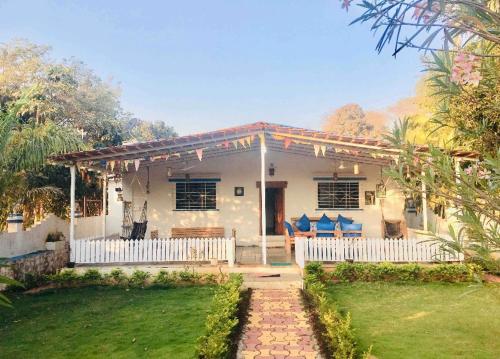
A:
(260, 136)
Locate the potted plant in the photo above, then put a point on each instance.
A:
(55, 241)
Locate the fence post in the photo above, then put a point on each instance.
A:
(231, 251)
(299, 252)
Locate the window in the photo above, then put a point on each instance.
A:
(338, 195)
(195, 196)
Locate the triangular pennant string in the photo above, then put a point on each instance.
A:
(316, 150)
(199, 153)
(226, 144)
(235, 144)
(287, 142)
(323, 150)
(248, 140)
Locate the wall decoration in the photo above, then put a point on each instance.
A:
(369, 198)
(239, 191)
(381, 190)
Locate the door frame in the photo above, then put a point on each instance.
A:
(272, 184)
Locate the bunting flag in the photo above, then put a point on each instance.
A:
(248, 141)
(262, 138)
(112, 165)
(316, 150)
(137, 163)
(323, 150)
(199, 153)
(252, 138)
(287, 143)
(226, 144)
(235, 144)
(242, 142)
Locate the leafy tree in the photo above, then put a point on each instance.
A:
(422, 24)
(139, 130)
(464, 75)
(351, 120)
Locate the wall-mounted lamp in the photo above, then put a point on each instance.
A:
(271, 170)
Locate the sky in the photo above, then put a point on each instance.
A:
(204, 65)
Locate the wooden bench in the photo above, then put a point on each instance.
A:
(198, 232)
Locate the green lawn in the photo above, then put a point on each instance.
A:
(105, 322)
(432, 320)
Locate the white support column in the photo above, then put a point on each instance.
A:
(263, 197)
(104, 203)
(424, 204)
(72, 171)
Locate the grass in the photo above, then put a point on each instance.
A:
(431, 320)
(105, 322)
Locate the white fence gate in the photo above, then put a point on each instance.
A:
(97, 251)
(369, 250)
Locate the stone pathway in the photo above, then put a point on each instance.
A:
(277, 327)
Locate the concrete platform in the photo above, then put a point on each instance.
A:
(272, 280)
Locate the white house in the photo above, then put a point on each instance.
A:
(213, 181)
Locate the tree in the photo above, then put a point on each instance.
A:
(49, 107)
(423, 24)
(137, 130)
(463, 76)
(351, 120)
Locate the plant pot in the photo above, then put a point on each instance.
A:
(54, 246)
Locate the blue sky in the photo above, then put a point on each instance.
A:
(202, 65)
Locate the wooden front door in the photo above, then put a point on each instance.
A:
(275, 207)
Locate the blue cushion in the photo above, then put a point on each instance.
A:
(303, 224)
(351, 227)
(341, 219)
(325, 224)
(289, 228)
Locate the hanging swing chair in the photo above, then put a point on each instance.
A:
(131, 229)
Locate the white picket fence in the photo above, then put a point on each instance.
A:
(98, 250)
(369, 250)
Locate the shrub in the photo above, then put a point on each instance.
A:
(64, 277)
(189, 276)
(117, 276)
(349, 272)
(92, 276)
(164, 278)
(337, 333)
(221, 321)
(54, 237)
(139, 277)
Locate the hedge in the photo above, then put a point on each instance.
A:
(349, 272)
(117, 277)
(336, 331)
(222, 321)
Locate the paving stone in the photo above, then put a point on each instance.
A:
(278, 327)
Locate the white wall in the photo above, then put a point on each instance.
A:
(242, 213)
(32, 239)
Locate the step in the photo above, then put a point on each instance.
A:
(272, 280)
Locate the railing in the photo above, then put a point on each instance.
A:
(99, 251)
(369, 250)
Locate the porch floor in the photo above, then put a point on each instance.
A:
(253, 255)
